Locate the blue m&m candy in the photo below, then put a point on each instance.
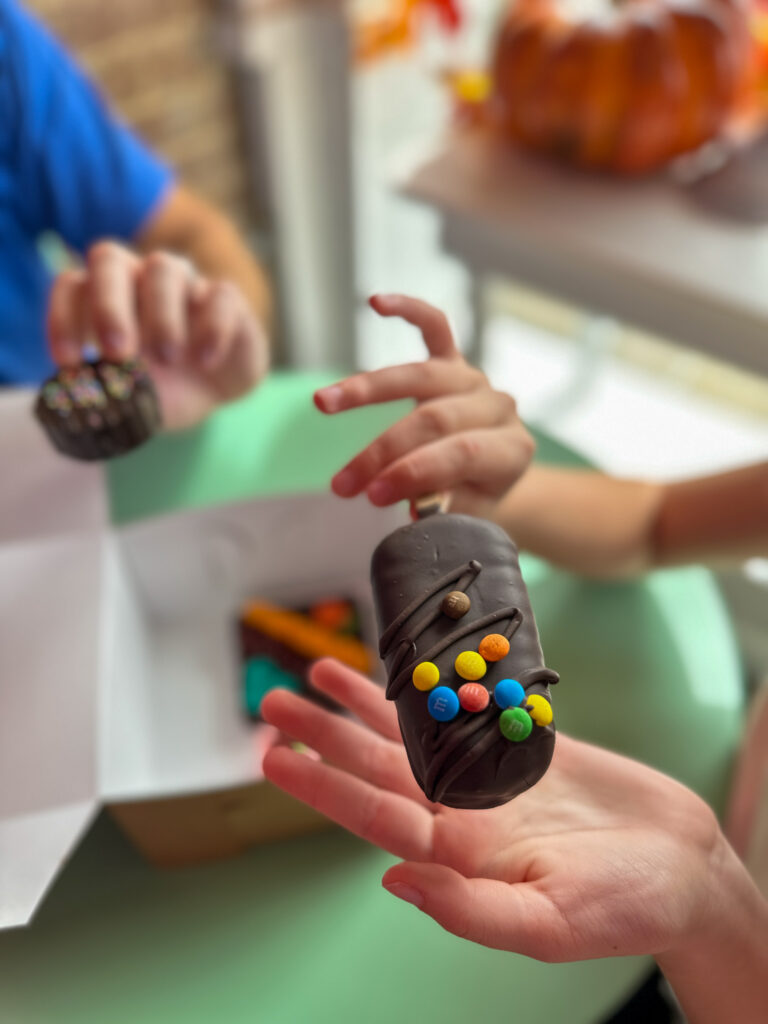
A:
(508, 693)
(443, 703)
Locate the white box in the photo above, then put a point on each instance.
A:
(119, 664)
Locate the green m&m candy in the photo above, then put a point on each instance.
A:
(515, 724)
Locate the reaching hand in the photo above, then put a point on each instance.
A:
(203, 344)
(604, 857)
(463, 436)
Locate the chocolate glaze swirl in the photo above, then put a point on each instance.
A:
(466, 762)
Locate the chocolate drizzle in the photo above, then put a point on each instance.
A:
(465, 574)
(466, 762)
(398, 681)
(472, 737)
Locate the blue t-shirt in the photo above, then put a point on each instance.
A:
(66, 166)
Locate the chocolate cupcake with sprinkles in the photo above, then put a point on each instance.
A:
(99, 410)
(463, 658)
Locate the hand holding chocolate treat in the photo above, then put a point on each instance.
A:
(201, 339)
(463, 658)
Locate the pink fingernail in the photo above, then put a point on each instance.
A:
(332, 398)
(381, 492)
(406, 892)
(69, 353)
(208, 356)
(169, 353)
(345, 483)
(116, 342)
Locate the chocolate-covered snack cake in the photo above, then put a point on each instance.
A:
(463, 660)
(99, 410)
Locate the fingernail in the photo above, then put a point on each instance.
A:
(302, 748)
(381, 492)
(332, 398)
(345, 483)
(208, 355)
(406, 892)
(116, 342)
(169, 353)
(68, 353)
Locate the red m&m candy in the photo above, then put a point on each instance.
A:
(473, 697)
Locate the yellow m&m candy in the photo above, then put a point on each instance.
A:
(539, 709)
(470, 665)
(426, 675)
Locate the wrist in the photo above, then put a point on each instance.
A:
(719, 968)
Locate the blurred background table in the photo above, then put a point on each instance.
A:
(642, 251)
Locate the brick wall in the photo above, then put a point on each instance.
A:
(156, 61)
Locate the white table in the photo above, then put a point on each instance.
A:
(640, 251)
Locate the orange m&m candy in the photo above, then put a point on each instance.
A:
(494, 647)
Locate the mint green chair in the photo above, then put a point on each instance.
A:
(300, 932)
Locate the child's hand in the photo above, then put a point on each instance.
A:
(603, 857)
(203, 344)
(463, 436)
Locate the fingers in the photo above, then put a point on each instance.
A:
(111, 299)
(420, 381)
(432, 322)
(156, 305)
(359, 695)
(429, 422)
(218, 316)
(490, 460)
(164, 284)
(385, 819)
(516, 917)
(343, 743)
(67, 322)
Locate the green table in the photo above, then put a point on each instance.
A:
(301, 931)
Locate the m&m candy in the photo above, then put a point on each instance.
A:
(456, 604)
(494, 647)
(515, 724)
(508, 693)
(539, 709)
(474, 697)
(426, 675)
(443, 704)
(470, 665)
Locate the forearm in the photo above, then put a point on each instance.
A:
(601, 526)
(721, 518)
(721, 974)
(190, 227)
(582, 520)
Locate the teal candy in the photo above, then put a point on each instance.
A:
(260, 675)
(648, 667)
(508, 693)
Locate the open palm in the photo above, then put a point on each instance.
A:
(586, 864)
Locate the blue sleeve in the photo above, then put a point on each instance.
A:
(80, 172)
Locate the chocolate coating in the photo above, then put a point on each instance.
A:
(466, 762)
(99, 410)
